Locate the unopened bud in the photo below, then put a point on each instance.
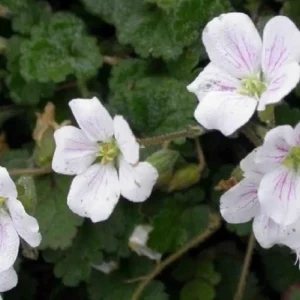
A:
(27, 193)
(164, 161)
(185, 177)
(138, 242)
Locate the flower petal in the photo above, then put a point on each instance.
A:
(26, 225)
(280, 84)
(250, 168)
(8, 280)
(213, 79)
(281, 44)
(240, 204)
(266, 231)
(7, 186)
(9, 246)
(93, 118)
(126, 140)
(137, 181)
(95, 192)
(277, 144)
(74, 152)
(297, 134)
(225, 111)
(279, 195)
(233, 44)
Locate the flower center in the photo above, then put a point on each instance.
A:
(292, 160)
(252, 86)
(2, 201)
(108, 152)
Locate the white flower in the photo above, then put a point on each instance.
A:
(94, 153)
(8, 280)
(106, 267)
(14, 223)
(245, 73)
(138, 242)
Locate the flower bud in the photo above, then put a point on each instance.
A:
(43, 135)
(27, 193)
(138, 242)
(185, 177)
(164, 161)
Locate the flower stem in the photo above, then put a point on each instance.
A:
(200, 155)
(214, 225)
(190, 132)
(255, 133)
(243, 278)
(82, 87)
(30, 171)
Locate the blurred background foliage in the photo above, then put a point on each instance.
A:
(137, 56)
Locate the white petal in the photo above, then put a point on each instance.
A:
(240, 203)
(250, 167)
(225, 111)
(281, 44)
(8, 280)
(279, 195)
(266, 231)
(281, 83)
(277, 144)
(233, 44)
(126, 140)
(137, 181)
(297, 134)
(93, 118)
(95, 192)
(213, 79)
(74, 152)
(9, 246)
(26, 226)
(7, 186)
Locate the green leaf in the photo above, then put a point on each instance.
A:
(197, 290)
(58, 225)
(243, 229)
(206, 270)
(27, 193)
(74, 264)
(18, 158)
(103, 8)
(291, 9)
(284, 114)
(284, 261)
(164, 4)
(153, 105)
(185, 269)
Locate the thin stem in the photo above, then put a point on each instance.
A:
(30, 171)
(200, 155)
(190, 132)
(111, 60)
(214, 225)
(243, 278)
(82, 87)
(255, 133)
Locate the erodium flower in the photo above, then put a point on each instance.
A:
(15, 223)
(245, 73)
(104, 155)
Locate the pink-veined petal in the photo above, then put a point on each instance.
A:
(26, 225)
(137, 181)
(7, 186)
(240, 203)
(233, 44)
(281, 44)
(250, 167)
(213, 79)
(95, 193)
(74, 152)
(267, 232)
(9, 242)
(279, 195)
(126, 140)
(8, 280)
(225, 111)
(280, 84)
(277, 144)
(93, 118)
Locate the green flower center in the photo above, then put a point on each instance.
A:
(2, 201)
(252, 86)
(108, 152)
(292, 160)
